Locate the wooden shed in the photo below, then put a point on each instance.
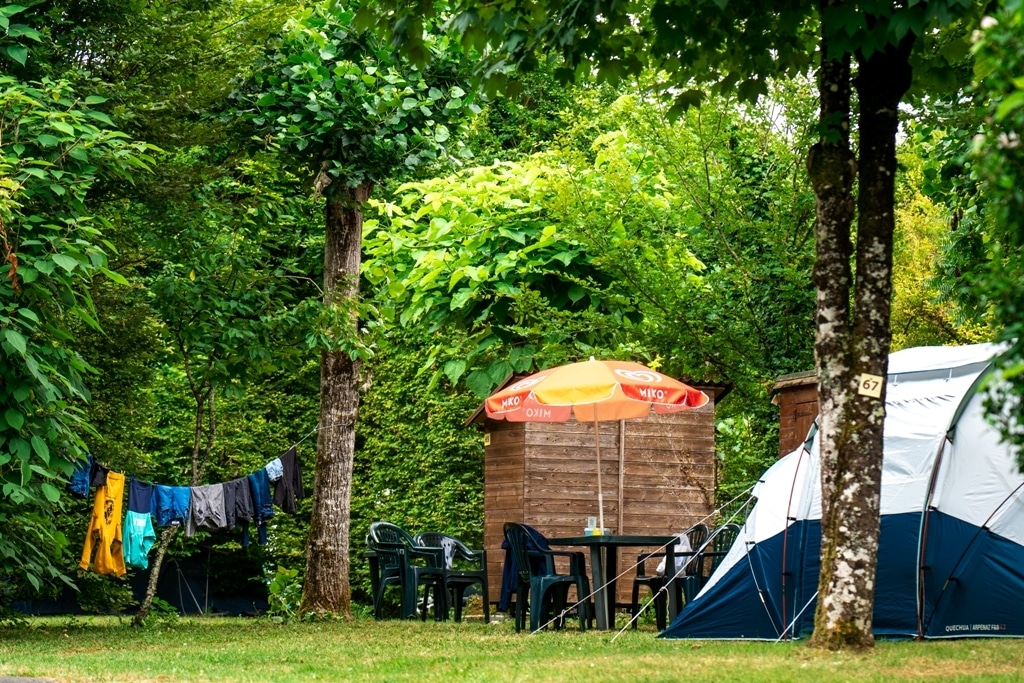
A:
(796, 395)
(545, 474)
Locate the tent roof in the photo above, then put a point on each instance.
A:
(931, 358)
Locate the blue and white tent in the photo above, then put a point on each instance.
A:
(951, 553)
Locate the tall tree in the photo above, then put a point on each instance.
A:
(738, 47)
(353, 113)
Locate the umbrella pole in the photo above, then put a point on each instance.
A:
(600, 491)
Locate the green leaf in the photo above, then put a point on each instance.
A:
(41, 449)
(50, 491)
(17, 340)
(17, 53)
(479, 382)
(14, 418)
(114, 276)
(100, 116)
(521, 358)
(21, 449)
(28, 314)
(95, 99)
(454, 369)
(47, 140)
(65, 262)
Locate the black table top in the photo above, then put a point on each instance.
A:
(615, 540)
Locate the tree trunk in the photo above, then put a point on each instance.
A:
(154, 576)
(847, 347)
(326, 588)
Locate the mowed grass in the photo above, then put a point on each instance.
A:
(229, 649)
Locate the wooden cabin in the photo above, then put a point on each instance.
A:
(545, 474)
(796, 395)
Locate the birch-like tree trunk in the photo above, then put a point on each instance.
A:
(326, 587)
(852, 345)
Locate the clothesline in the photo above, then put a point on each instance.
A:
(238, 502)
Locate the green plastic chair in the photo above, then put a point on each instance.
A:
(538, 582)
(403, 563)
(468, 568)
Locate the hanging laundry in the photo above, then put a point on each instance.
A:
(238, 502)
(171, 504)
(288, 488)
(263, 505)
(139, 538)
(104, 534)
(98, 475)
(140, 496)
(139, 535)
(81, 478)
(207, 509)
(275, 470)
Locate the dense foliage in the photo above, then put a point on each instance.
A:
(999, 159)
(56, 148)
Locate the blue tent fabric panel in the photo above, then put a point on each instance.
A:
(974, 584)
(806, 556)
(895, 597)
(733, 607)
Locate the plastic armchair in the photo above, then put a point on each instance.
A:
(539, 582)
(463, 568)
(403, 563)
(696, 536)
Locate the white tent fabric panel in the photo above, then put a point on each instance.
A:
(789, 486)
(978, 463)
(917, 415)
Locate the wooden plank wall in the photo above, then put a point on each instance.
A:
(668, 480)
(503, 492)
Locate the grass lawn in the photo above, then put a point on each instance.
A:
(232, 649)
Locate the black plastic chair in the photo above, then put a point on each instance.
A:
(403, 563)
(696, 536)
(465, 569)
(724, 537)
(539, 582)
